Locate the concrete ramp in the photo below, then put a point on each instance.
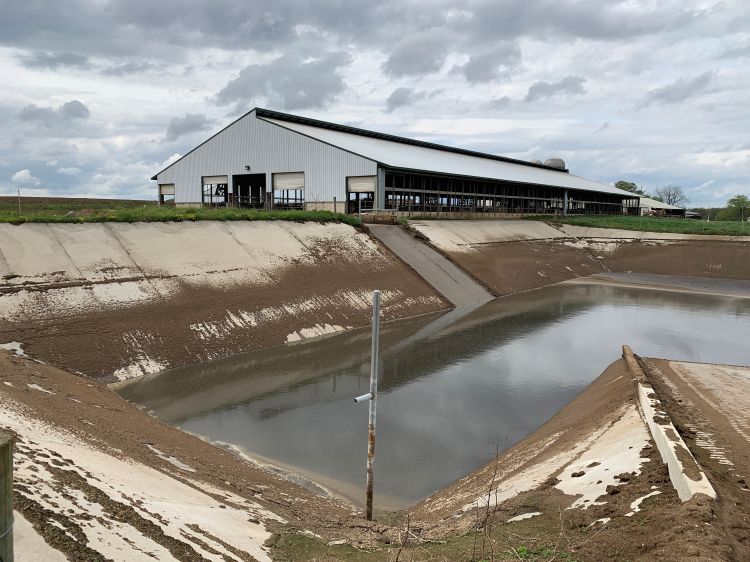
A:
(446, 277)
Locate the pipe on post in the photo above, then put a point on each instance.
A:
(373, 399)
(6, 497)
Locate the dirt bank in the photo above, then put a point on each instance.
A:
(118, 300)
(512, 256)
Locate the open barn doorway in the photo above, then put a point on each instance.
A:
(249, 190)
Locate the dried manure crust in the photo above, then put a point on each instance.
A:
(114, 301)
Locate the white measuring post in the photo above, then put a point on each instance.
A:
(372, 398)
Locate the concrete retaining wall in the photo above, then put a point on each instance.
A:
(685, 473)
(116, 300)
(672, 448)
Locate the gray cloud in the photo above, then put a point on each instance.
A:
(190, 123)
(608, 21)
(418, 54)
(289, 81)
(53, 60)
(401, 97)
(74, 109)
(498, 103)
(679, 90)
(736, 52)
(33, 112)
(568, 86)
(129, 27)
(47, 116)
(492, 64)
(128, 67)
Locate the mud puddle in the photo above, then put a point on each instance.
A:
(450, 392)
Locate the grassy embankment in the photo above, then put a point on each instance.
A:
(72, 210)
(653, 224)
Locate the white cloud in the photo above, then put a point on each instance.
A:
(70, 171)
(24, 178)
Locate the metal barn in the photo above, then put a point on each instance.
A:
(267, 159)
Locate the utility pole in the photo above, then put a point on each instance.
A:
(372, 398)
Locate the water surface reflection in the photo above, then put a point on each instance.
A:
(448, 389)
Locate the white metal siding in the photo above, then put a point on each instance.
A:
(215, 180)
(361, 184)
(266, 148)
(289, 180)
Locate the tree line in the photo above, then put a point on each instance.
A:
(736, 209)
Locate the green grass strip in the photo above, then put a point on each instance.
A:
(653, 224)
(130, 212)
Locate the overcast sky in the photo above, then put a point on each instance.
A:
(98, 95)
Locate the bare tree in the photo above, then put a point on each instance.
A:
(672, 195)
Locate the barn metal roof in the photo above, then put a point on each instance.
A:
(654, 204)
(410, 154)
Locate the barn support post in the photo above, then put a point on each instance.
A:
(565, 203)
(379, 202)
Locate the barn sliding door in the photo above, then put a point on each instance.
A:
(289, 190)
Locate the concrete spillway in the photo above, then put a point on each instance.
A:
(445, 276)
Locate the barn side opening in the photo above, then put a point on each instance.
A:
(434, 193)
(360, 193)
(249, 190)
(215, 191)
(166, 194)
(289, 190)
